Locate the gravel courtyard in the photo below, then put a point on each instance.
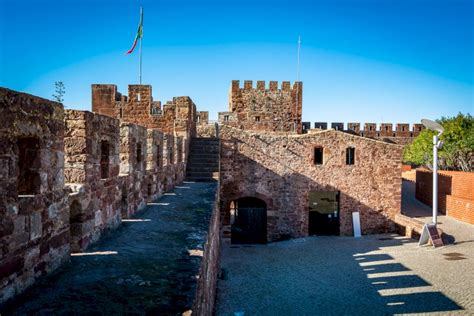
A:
(372, 275)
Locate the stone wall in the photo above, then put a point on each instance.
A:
(279, 170)
(133, 153)
(202, 118)
(207, 130)
(34, 212)
(68, 176)
(204, 302)
(263, 109)
(455, 192)
(176, 116)
(402, 134)
(91, 170)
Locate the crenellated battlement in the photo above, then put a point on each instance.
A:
(373, 130)
(262, 85)
(175, 116)
(263, 107)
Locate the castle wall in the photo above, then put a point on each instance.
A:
(34, 212)
(202, 118)
(262, 109)
(133, 153)
(402, 134)
(279, 170)
(92, 146)
(176, 116)
(68, 176)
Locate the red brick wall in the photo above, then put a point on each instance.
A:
(461, 209)
(455, 192)
(406, 168)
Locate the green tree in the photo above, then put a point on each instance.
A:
(457, 152)
(59, 91)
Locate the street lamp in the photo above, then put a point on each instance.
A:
(437, 144)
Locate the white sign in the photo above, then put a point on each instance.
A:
(356, 224)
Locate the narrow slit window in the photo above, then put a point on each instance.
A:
(139, 153)
(318, 155)
(257, 118)
(350, 156)
(104, 159)
(171, 156)
(158, 156)
(226, 118)
(29, 180)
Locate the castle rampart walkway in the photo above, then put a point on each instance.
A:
(148, 265)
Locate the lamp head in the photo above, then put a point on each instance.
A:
(432, 125)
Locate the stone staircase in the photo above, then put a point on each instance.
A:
(203, 160)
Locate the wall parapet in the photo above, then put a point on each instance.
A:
(175, 116)
(68, 176)
(455, 192)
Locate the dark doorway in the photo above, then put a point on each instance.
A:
(249, 221)
(323, 213)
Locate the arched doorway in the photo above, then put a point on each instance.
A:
(248, 221)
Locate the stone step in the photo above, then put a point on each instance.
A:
(197, 156)
(204, 150)
(200, 179)
(203, 147)
(205, 139)
(199, 164)
(191, 168)
(199, 174)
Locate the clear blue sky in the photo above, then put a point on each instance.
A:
(367, 60)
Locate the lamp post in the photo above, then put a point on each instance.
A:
(437, 144)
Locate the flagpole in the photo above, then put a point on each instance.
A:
(140, 48)
(298, 60)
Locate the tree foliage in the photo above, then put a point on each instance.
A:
(59, 91)
(457, 152)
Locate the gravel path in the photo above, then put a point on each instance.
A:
(372, 275)
(142, 267)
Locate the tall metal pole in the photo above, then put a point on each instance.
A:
(140, 48)
(297, 85)
(298, 62)
(435, 178)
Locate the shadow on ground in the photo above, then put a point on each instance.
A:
(143, 267)
(325, 276)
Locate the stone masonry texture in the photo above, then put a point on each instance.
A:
(279, 170)
(264, 109)
(34, 214)
(69, 176)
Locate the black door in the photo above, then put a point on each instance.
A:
(323, 213)
(250, 222)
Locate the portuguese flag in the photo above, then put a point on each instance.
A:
(139, 33)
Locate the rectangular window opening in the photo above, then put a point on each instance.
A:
(158, 156)
(257, 118)
(104, 159)
(29, 180)
(139, 153)
(318, 155)
(171, 156)
(226, 118)
(350, 156)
